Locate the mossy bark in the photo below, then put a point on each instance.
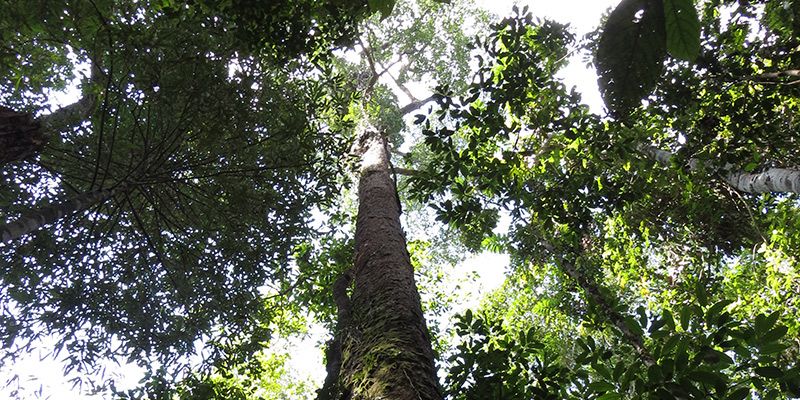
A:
(386, 349)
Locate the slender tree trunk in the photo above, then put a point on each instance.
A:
(772, 180)
(385, 347)
(50, 214)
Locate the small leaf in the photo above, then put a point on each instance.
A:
(714, 311)
(700, 293)
(775, 334)
(686, 315)
(772, 348)
(707, 377)
(601, 387)
(764, 323)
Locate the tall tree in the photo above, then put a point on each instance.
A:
(199, 170)
(222, 157)
(383, 342)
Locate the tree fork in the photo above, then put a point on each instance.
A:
(22, 136)
(386, 349)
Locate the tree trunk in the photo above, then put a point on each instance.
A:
(780, 180)
(385, 347)
(50, 214)
(20, 136)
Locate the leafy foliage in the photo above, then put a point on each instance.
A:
(222, 157)
(228, 125)
(610, 247)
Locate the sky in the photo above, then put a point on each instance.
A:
(582, 15)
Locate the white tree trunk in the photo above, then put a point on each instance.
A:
(781, 180)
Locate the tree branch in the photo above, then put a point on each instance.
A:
(592, 291)
(414, 105)
(406, 171)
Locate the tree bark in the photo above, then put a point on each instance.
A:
(50, 214)
(20, 136)
(781, 180)
(386, 350)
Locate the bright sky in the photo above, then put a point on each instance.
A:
(583, 16)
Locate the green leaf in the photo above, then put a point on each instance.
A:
(601, 387)
(772, 348)
(683, 29)
(713, 312)
(700, 293)
(769, 372)
(685, 315)
(630, 53)
(385, 7)
(610, 396)
(775, 334)
(707, 377)
(764, 323)
(738, 394)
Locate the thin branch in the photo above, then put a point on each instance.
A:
(414, 105)
(592, 290)
(406, 171)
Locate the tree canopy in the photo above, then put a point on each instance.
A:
(201, 190)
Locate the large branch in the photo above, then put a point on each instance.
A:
(55, 212)
(67, 116)
(782, 180)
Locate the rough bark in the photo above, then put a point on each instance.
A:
(386, 350)
(50, 214)
(20, 136)
(333, 355)
(781, 180)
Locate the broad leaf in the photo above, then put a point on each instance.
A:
(631, 53)
(683, 29)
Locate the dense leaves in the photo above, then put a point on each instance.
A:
(635, 258)
(640, 268)
(218, 158)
